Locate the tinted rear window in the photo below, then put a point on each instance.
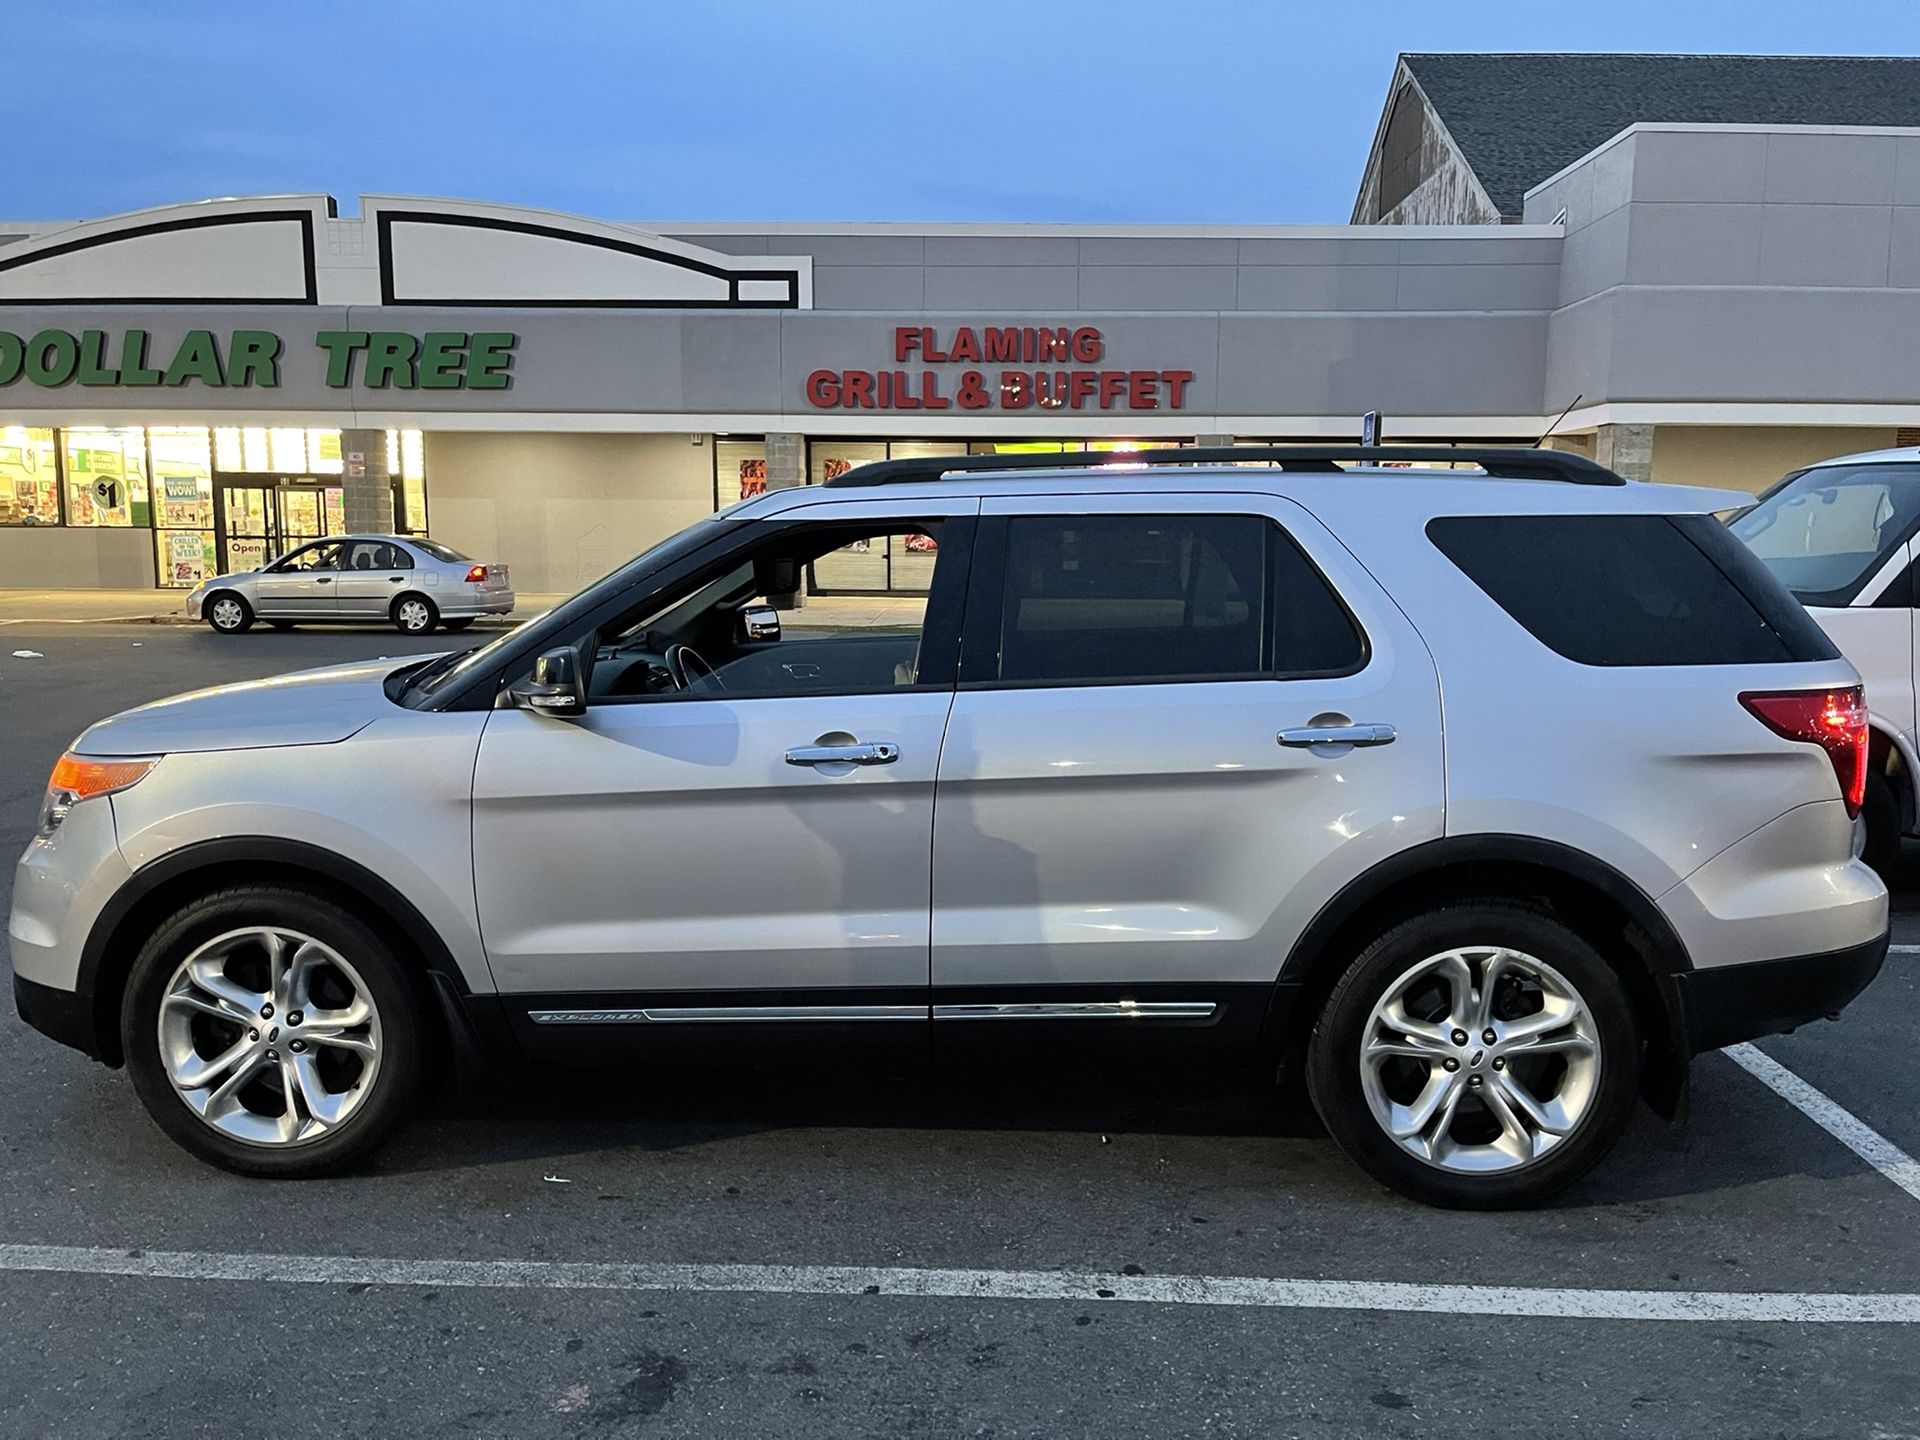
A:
(439, 551)
(1633, 589)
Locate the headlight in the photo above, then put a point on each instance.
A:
(79, 777)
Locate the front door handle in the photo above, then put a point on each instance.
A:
(1306, 735)
(867, 753)
(323, 580)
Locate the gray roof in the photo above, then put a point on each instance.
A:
(1520, 118)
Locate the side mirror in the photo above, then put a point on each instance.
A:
(556, 688)
(760, 622)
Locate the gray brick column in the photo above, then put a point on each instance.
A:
(786, 469)
(368, 496)
(1626, 450)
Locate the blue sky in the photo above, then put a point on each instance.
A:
(993, 110)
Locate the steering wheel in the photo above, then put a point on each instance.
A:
(677, 659)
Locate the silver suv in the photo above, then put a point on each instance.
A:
(1485, 798)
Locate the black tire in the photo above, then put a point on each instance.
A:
(281, 624)
(1334, 1066)
(405, 1036)
(1880, 814)
(457, 625)
(216, 610)
(406, 609)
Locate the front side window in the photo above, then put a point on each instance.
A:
(324, 556)
(1825, 532)
(1120, 598)
(747, 628)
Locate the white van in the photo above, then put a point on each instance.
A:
(1841, 536)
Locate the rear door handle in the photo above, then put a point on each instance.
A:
(1302, 736)
(866, 753)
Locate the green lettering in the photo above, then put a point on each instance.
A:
(198, 358)
(443, 360)
(133, 360)
(52, 357)
(93, 358)
(390, 356)
(251, 353)
(489, 356)
(340, 345)
(13, 355)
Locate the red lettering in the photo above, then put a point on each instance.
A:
(930, 349)
(1143, 389)
(930, 396)
(1003, 345)
(857, 390)
(906, 339)
(1016, 393)
(1082, 382)
(1086, 345)
(966, 346)
(823, 389)
(1177, 382)
(897, 394)
(1113, 384)
(1053, 344)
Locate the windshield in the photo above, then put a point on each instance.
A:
(423, 684)
(1825, 532)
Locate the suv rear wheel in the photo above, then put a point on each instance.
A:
(1481, 1055)
(271, 1032)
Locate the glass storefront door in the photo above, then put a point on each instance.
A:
(260, 522)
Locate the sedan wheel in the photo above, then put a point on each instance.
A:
(229, 614)
(414, 615)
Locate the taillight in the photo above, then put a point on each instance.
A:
(476, 574)
(1835, 720)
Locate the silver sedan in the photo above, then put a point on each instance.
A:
(412, 583)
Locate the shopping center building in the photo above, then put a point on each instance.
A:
(185, 390)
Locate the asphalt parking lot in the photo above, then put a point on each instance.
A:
(821, 1254)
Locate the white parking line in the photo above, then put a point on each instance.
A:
(1903, 949)
(1866, 1142)
(1082, 1288)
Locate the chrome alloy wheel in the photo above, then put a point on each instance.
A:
(227, 613)
(414, 615)
(1480, 1059)
(269, 1036)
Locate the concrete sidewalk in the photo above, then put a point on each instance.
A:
(169, 607)
(166, 607)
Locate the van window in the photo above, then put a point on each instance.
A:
(1825, 532)
(1632, 589)
(1119, 598)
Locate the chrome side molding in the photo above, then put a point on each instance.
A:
(711, 1014)
(1081, 1010)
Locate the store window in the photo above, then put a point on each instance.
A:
(106, 476)
(407, 469)
(262, 450)
(182, 505)
(29, 480)
(739, 470)
(903, 564)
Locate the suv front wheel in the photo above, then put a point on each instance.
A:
(272, 1032)
(1481, 1055)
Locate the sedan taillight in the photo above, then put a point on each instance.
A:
(1835, 720)
(476, 574)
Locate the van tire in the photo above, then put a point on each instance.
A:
(1335, 1068)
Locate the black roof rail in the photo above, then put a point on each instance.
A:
(1507, 463)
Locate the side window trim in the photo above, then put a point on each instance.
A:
(986, 601)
